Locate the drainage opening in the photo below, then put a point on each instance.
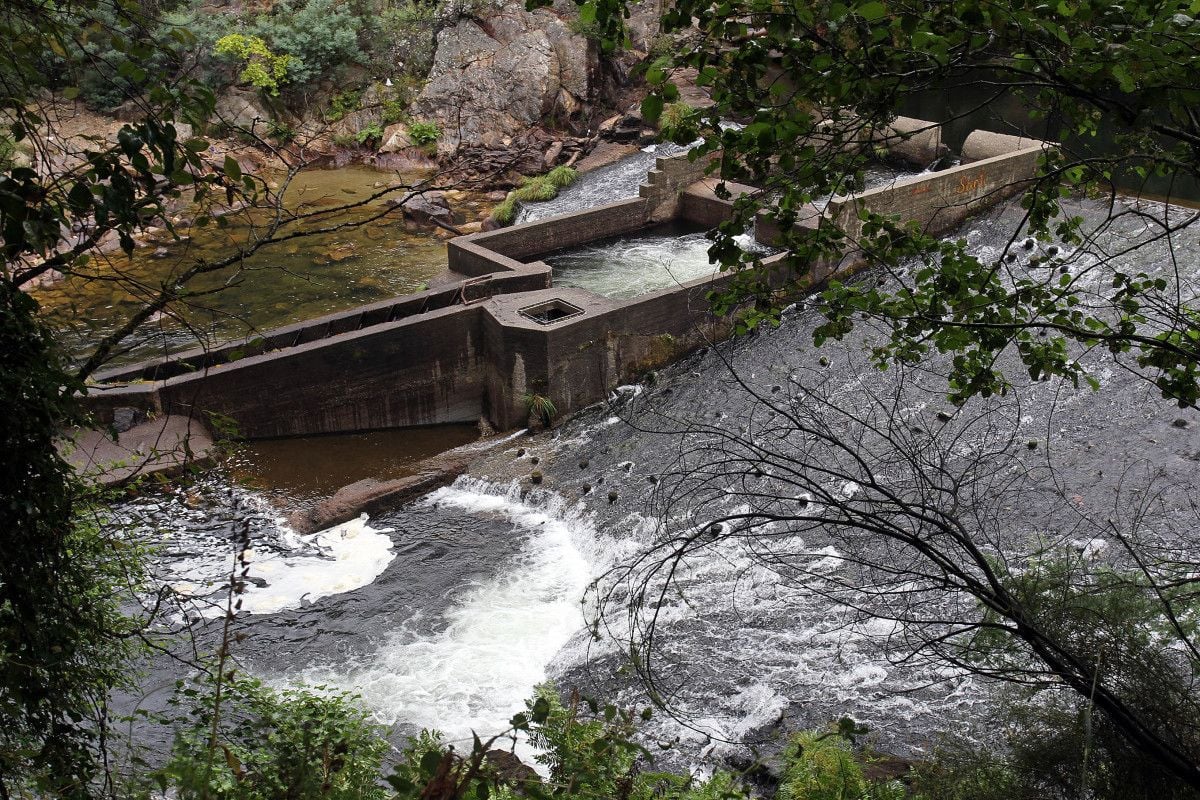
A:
(550, 312)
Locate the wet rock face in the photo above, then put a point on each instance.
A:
(495, 78)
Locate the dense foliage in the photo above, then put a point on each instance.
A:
(64, 643)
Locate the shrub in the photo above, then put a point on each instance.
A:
(679, 123)
(561, 177)
(541, 407)
(536, 190)
(295, 743)
(342, 104)
(371, 133)
(506, 211)
(821, 767)
(590, 750)
(280, 131)
(393, 111)
(424, 133)
(260, 67)
(320, 36)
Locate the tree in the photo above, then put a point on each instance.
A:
(67, 579)
(816, 84)
(967, 538)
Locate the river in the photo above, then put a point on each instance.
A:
(281, 283)
(446, 613)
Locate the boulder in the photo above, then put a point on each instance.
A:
(242, 109)
(494, 79)
(395, 138)
(429, 208)
(510, 769)
(627, 127)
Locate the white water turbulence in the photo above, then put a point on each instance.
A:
(644, 262)
(196, 556)
(332, 561)
(476, 668)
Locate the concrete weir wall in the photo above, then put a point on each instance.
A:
(473, 350)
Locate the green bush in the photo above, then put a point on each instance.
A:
(541, 407)
(561, 177)
(589, 752)
(371, 133)
(119, 59)
(259, 66)
(343, 103)
(821, 767)
(294, 743)
(320, 36)
(506, 211)
(679, 123)
(424, 133)
(280, 131)
(536, 190)
(393, 111)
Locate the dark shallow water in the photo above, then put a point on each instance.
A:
(301, 470)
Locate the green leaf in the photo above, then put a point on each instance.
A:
(872, 11)
(430, 762)
(652, 107)
(232, 168)
(541, 710)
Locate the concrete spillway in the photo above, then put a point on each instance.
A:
(480, 348)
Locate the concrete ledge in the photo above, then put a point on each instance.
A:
(465, 351)
(163, 446)
(517, 243)
(940, 201)
(699, 202)
(913, 141)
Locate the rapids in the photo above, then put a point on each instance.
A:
(488, 587)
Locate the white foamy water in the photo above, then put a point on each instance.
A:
(477, 669)
(297, 570)
(639, 263)
(287, 570)
(332, 561)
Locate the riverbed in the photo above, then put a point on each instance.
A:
(279, 284)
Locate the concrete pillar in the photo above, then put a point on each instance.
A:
(914, 141)
(986, 144)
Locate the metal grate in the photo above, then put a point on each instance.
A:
(550, 312)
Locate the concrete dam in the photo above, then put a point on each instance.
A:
(502, 333)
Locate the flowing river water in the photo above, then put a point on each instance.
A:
(449, 611)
